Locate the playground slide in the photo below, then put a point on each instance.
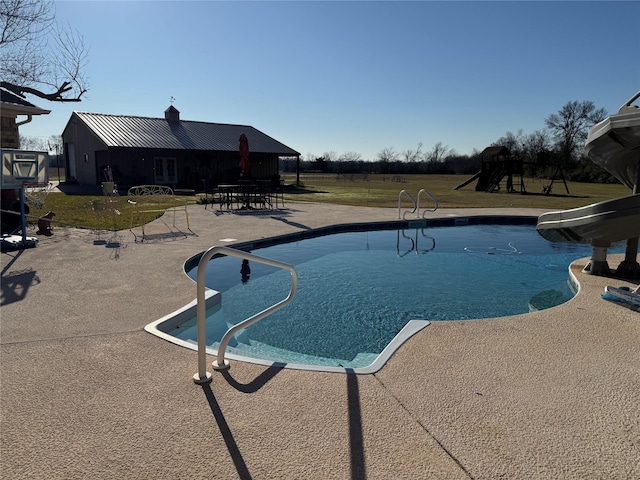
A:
(467, 182)
(614, 144)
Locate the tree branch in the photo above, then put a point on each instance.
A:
(56, 96)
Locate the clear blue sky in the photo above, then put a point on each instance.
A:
(354, 76)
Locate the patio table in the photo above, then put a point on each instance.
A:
(228, 195)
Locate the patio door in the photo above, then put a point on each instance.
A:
(71, 156)
(165, 171)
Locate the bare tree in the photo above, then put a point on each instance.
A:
(537, 145)
(438, 153)
(513, 141)
(32, 143)
(350, 157)
(388, 154)
(38, 56)
(331, 156)
(55, 143)
(537, 141)
(413, 155)
(570, 126)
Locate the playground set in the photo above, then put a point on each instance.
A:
(497, 165)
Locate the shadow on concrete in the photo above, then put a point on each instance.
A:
(15, 285)
(13, 259)
(170, 236)
(257, 383)
(225, 431)
(288, 222)
(356, 442)
(259, 212)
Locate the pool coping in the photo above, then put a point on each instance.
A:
(246, 246)
(413, 326)
(189, 311)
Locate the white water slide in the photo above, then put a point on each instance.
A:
(614, 144)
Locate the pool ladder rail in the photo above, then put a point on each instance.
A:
(416, 203)
(220, 363)
(414, 244)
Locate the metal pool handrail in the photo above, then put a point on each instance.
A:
(407, 194)
(220, 364)
(416, 204)
(426, 209)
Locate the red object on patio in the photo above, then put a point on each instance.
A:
(244, 154)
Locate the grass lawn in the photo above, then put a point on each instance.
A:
(105, 213)
(383, 191)
(98, 212)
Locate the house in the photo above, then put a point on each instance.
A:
(165, 151)
(11, 107)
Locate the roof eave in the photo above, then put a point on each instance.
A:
(23, 109)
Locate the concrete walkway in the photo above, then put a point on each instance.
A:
(86, 393)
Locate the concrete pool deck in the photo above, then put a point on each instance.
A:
(86, 393)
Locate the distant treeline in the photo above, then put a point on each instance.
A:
(542, 167)
(560, 144)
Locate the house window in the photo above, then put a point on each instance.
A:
(165, 170)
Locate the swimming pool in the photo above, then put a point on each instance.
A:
(361, 294)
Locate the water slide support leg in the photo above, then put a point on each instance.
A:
(598, 264)
(629, 267)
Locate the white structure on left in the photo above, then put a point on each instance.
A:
(20, 169)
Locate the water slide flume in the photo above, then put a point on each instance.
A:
(613, 144)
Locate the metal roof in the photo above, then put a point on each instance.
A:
(145, 132)
(19, 106)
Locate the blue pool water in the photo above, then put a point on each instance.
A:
(357, 290)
